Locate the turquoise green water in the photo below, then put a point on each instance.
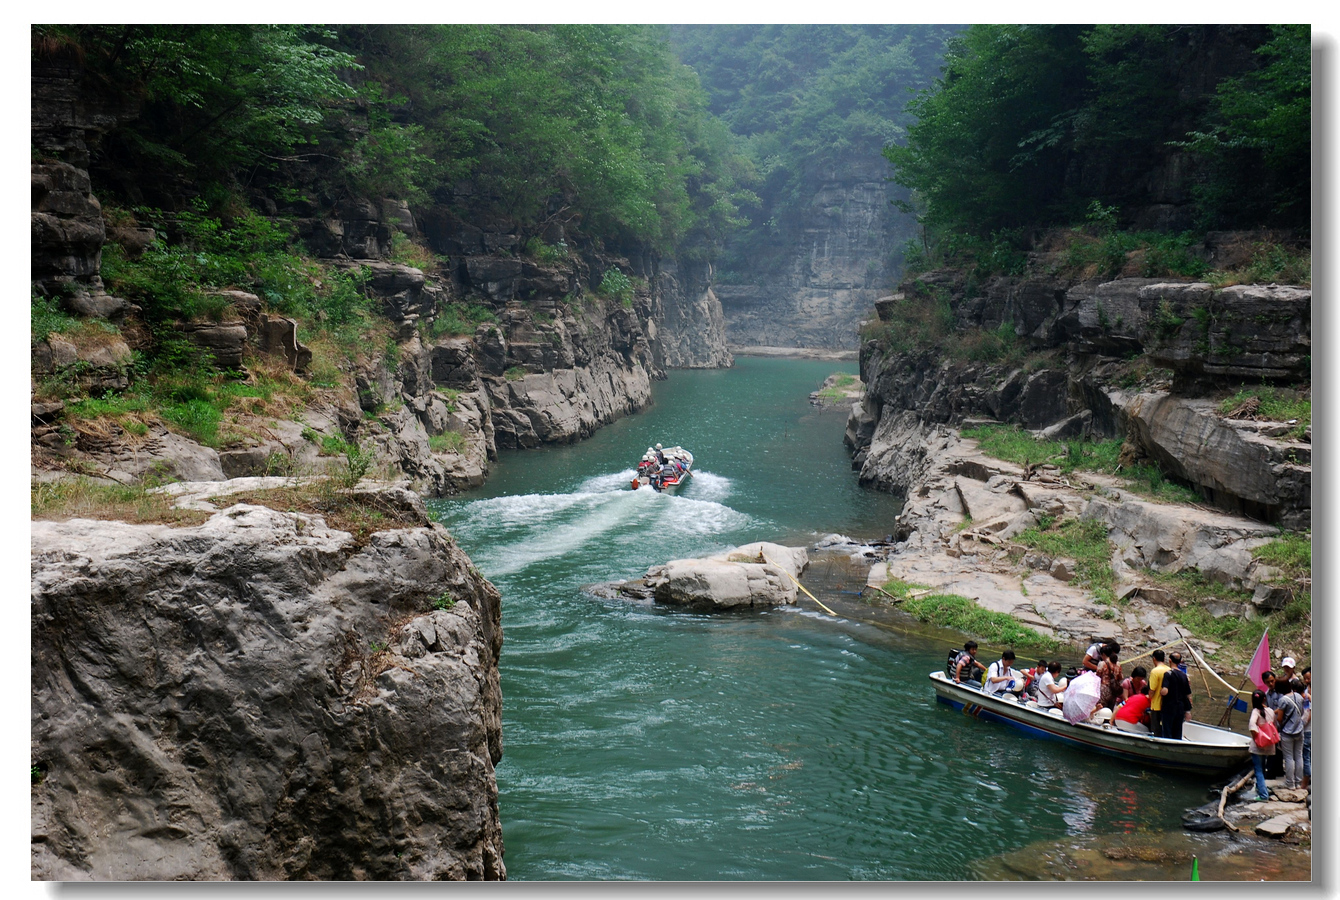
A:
(642, 743)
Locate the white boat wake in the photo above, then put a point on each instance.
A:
(525, 529)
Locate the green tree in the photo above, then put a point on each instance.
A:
(213, 99)
(993, 136)
(1257, 146)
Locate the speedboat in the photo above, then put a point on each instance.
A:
(669, 477)
(1203, 748)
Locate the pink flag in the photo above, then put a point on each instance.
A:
(1260, 661)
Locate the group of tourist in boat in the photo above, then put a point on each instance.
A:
(1142, 703)
(1155, 702)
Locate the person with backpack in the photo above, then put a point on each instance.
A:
(1289, 714)
(1261, 726)
(967, 660)
(1001, 676)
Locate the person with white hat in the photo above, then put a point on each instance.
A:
(1287, 665)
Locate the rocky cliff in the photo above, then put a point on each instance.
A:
(263, 696)
(1145, 360)
(1140, 361)
(555, 361)
(838, 264)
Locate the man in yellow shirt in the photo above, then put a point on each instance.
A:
(1155, 693)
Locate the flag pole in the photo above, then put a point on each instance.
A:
(1232, 701)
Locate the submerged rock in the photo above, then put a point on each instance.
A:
(1136, 856)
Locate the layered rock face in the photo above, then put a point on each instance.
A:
(1143, 360)
(965, 508)
(1207, 339)
(834, 272)
(692, 333)
(262, 697)
(558, 362)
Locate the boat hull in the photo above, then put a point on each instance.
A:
(1204, 748)
(668, 487)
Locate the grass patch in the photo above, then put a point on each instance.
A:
(546, 254)
(408, 253)
(1291, 552)
(447, 442)
(460, 319)
(962, 614)
(837, 391)
(47, 318)
(84, 498)
(1191, 587)
(1147, 254)
(903, 589)
(1269, 263)
(1013, 444)
(204, 405)
(923, 320)
(616, 286)
(1083, 541)
(1274, 404)
(1289, 627)
(516, 373)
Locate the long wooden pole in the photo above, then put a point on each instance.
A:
(1232, 789)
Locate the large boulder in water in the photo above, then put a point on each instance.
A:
(756, 575)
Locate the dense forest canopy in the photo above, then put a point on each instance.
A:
(1035, 125)
(604, 129)
(809, 101)
(599, 126)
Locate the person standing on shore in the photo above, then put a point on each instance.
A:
(1274, 765)
(1289, 715)
(1176, 693)
(1261, 714)
(1156, 693)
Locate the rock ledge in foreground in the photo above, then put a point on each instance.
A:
(262, 697)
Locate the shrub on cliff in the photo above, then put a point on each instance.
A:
(1030, 123)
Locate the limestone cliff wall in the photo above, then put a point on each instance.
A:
(1135, 358)
(262, 697)
(839, 262)
(559, 362)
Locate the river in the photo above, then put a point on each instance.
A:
(642, 743)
